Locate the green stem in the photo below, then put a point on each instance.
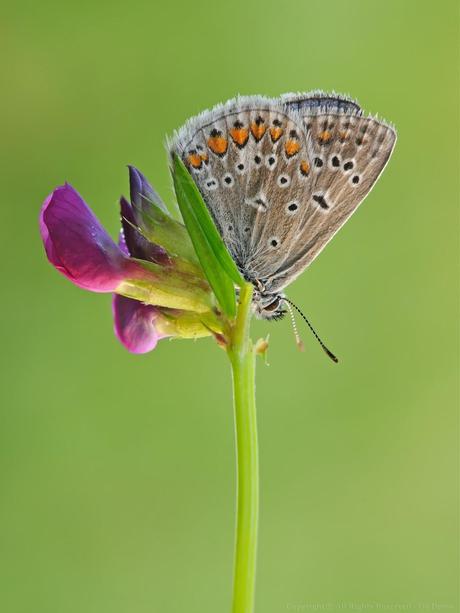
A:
(242, 358)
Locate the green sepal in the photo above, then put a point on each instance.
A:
(186, 324)
(165, 287)
(160, 228)
(189, 265)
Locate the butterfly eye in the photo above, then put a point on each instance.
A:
(273, 305)
(283, 180)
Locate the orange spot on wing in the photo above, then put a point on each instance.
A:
(343, 135)
(240, 136)
(325, 136)
(204, 157)
(304, 167)
(194, 160)
(258, 130)
(291, 147)
(276, 133)
(218, 144)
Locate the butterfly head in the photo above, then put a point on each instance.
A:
(268, 306)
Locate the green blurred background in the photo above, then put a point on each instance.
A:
(117, 471)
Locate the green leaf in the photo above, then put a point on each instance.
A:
(204, 217)
(218, 266)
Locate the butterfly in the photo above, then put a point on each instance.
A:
(280, 176)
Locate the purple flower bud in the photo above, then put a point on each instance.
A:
(134, 324)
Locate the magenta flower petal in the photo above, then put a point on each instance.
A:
(78, 246)
(141, 191)
(134, 324)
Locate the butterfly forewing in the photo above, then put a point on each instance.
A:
(349, 153)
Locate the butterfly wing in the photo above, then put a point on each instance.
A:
(348, 152)
(318, 101)
(246, 157)
(281, 176)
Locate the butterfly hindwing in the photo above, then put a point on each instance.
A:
(318, 101)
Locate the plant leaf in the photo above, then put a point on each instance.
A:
(207, 223)
(219, 267)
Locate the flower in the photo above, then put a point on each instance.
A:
(159, 288)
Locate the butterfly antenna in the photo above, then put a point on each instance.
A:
(298, 340)
(325, 349)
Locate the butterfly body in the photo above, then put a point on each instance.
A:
(280, 177)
